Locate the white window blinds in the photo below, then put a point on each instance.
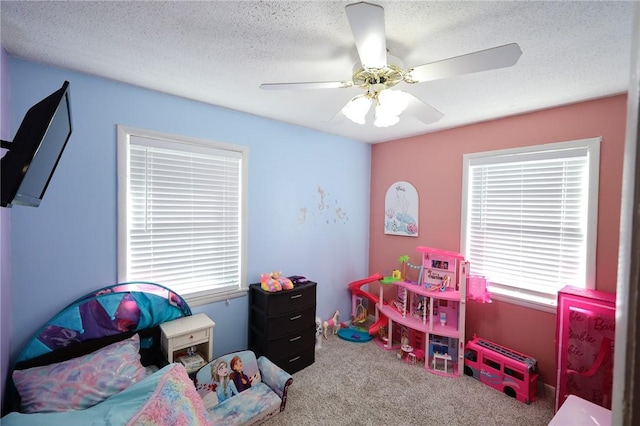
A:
(529, 218)
(184, 217)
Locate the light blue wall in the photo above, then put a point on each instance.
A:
(5, 235)
(67, 246)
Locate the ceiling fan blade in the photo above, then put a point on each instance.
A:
(309, 85)
(367, 25)
(422, 110)
(483, 60)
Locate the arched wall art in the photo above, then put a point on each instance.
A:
(401, 210)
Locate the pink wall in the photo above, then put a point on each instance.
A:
(433, 164)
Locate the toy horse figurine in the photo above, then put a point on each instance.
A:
(333, 323)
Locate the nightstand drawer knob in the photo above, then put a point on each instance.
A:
(294, 359)
(295, 296)
(295, 338)
(192, 338)
(295, 318)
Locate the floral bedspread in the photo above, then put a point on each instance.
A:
(175, 402)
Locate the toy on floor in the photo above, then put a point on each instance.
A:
(504, 369)
(419, 354)
(361, 313)
(352, 334)
(332, 323)
(318, 333)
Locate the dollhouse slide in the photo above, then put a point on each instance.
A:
(382, 322)
(356, 291)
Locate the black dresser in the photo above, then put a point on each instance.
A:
(282, 325)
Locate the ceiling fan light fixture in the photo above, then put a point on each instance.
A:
(384, 118)
(389, 105)
(376, 72)
(395, 101)
(357, 109)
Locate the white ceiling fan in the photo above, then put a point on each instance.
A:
(378, 71)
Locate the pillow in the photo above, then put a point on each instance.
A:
(81, 382)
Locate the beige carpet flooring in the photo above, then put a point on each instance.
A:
(361, 384)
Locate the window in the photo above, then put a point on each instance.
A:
(182, 214)
(491, 363)
(513, 373)
(529, 219)
(471, 355)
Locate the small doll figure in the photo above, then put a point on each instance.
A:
(225, 388)
(241, 380)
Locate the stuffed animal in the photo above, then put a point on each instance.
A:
(268, 283)
(318, 333)
(284, 281)
(274, 281)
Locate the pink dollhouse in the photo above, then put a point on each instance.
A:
(426, 321)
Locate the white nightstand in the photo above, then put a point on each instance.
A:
(181, 334)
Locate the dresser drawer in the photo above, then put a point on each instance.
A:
(296, 362)
(281, 302)
(283, 346)
(282, 325)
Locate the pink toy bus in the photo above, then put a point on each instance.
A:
(503, 369)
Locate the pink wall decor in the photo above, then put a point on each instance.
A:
(401, 210)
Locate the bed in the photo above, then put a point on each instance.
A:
(98, 362)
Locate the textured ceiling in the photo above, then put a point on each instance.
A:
(220, 52)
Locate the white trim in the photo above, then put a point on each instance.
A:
(591, 147)
(547, 147)
(124, 135)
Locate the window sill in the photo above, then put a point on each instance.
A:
(531, 304)
(204, 298)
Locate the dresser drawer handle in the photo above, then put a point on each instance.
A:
(294, 359)
(295, 338)
(295, 318)
(295, 296)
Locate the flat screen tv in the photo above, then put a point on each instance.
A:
(28, 166)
